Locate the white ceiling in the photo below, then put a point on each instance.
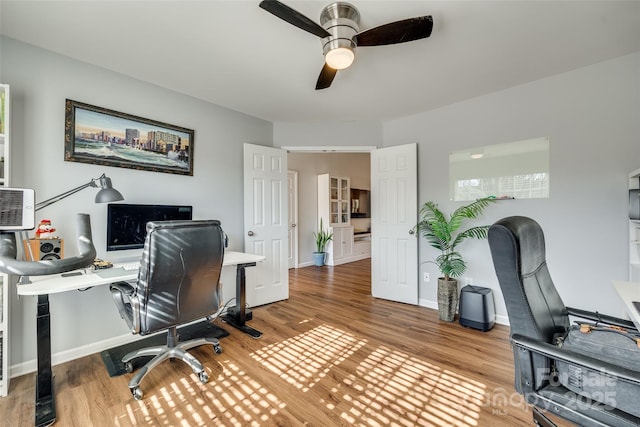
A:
(234, 54)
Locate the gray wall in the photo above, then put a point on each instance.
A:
(589, 114)
(40, 81)
(591, 117)
(327, 134)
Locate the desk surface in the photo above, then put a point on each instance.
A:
(629, 292)
(86, 278)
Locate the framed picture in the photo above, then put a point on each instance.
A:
(105, 137)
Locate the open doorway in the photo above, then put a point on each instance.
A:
(394, 246)
(356, 168)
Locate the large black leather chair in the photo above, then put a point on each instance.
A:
(178, 282)
(537, 315)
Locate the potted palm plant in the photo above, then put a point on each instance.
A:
(322, 238)
(444, 234)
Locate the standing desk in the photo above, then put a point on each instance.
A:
(42, 286)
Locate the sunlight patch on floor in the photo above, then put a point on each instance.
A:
(393, 388)
(388, 388)
(307, 358)
(233, 397)
(378, 387)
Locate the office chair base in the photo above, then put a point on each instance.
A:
(164, 352)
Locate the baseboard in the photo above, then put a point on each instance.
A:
(500, 319)
(427, 303)
(30, 366)
(305, 264)
(339, 262)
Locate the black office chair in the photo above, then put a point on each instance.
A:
(537, 316)
(178, 282)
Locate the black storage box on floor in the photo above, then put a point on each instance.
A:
(476, 309)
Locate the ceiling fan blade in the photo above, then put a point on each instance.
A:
(293, 17)
(326, 77)
(396, 32)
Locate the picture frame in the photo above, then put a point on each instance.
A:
(102, 136)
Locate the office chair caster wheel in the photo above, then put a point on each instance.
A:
(217, 349)
(203, 377)
(137, 393)
(128, 367)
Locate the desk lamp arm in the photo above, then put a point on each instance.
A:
(107, 192)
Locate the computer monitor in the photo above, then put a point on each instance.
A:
(127, 223)
(17, 209)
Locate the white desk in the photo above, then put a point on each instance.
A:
(86, 278)
(629, 292)
(42, 286)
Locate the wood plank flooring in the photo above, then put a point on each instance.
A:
(330, 355)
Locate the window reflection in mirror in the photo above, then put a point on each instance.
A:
(515, 170)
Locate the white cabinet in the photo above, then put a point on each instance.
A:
(347, 247)
(634, 226)
(4, 279)
(4, 135)
(334, 210)
(342, 245)
(362, 245)
(333, 200)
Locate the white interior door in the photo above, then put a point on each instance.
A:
(394, 204)
(265, 223)
(292, 182)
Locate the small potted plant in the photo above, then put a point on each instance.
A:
(443, 234)
(322, 238)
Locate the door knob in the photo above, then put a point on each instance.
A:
(293, 226)
(412, 232)
(250, 233)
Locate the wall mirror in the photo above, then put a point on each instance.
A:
(515, 170)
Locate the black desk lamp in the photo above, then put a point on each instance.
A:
(106, 194)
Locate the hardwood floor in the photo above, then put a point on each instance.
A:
(330, 355)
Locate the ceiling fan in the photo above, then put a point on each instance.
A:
(340, 33)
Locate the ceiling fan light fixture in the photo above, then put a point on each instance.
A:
(339, 31)
(339, 58)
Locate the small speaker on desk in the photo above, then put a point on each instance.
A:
(44, 249)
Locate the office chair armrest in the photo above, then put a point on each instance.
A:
(603, 318)
(126, 301)
(559, 353)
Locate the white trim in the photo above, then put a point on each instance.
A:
(30, 366)
(296, 220)
(305, 264)
(330, 149)
(500, 319)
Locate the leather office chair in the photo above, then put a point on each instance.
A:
(536, 314)
(178, 282)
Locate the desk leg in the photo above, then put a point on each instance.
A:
(45, 400)
(241, 300)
